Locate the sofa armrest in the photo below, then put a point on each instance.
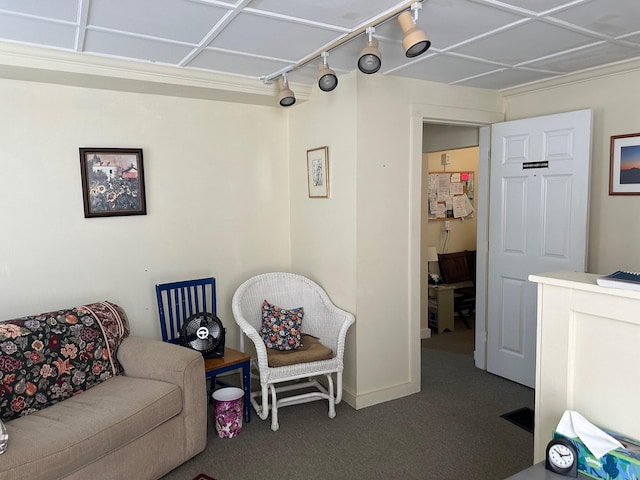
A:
(181, 366)
(156, 360)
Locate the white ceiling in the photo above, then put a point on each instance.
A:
(480, 43)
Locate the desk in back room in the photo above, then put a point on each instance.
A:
(440, 305)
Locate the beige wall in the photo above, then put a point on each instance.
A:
(389, 124)
(323, 230)
(362, 244)
(217, 177)
(462, 235)
(614, 228)
(226, 186)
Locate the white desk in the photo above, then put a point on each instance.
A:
(587, 355)
(538, 472)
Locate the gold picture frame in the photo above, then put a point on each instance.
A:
(318, 172)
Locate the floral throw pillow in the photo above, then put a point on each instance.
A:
(281, 328)
(47, 358)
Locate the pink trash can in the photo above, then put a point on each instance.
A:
(229, 409)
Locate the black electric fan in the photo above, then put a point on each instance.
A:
(204, 332)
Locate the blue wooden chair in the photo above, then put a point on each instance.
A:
(177, 301)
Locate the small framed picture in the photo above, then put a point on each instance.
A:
(318, 172)
(112, 182)
(624, 175)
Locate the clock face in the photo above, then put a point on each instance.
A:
(561, 456)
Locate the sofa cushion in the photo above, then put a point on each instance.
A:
(64, 437)
(49, 357)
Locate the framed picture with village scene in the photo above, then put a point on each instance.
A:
(112, 182)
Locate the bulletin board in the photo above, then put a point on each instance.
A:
(450, 195)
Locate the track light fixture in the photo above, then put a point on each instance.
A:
(415, 41)
(370, 59)
(327, 79)
(286, 98)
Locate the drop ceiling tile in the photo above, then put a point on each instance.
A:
(525, 42)
(506, 79)
(37, 32)
(610, 18)
(444, 68)
(273, 38)
(308, 75)
(240, 64)
(66, 10)
(343, 14)
(537, 6)
(586, 58)
(448, 22)
(124, 46)
(173, 19)
(635, 38)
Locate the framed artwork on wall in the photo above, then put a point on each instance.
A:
(112, 182)
(318, 172)
(624, 174)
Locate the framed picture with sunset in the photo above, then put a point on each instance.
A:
(624, 174)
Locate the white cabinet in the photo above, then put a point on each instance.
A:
(588, 355)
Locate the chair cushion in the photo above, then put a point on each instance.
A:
(281, 328)
(312, 351)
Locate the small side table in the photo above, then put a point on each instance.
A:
(232, 360)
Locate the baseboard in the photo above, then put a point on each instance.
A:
(425, 333)
(380, 396)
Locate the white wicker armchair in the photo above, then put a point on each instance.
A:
(321, 319)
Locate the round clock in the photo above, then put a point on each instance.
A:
(562, 457)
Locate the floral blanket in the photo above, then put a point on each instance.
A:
(49, 357)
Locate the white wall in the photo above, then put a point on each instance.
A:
(323, 230)
(614, 228)
(390, 116)
(216, 176)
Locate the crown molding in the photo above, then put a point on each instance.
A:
(22, 62)
(591, 74)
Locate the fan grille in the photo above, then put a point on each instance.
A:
(202, 331)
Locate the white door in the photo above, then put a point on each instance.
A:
(538, 219)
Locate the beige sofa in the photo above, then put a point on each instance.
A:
(136, 425)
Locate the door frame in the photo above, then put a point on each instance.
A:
(420, 114)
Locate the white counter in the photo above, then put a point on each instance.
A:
(588, 355)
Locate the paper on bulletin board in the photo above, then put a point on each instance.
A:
(444, 188)
(462, 207)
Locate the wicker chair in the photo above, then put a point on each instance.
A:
(322, 320)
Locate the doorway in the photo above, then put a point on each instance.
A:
(448, 152)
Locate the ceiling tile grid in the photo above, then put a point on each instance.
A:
(483, 43)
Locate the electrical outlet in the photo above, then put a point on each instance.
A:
(447, 225)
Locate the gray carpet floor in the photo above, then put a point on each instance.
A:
(450, 430)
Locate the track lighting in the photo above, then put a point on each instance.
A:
(327, 79)
(286, 98)
(415, 41)
(370, 59)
